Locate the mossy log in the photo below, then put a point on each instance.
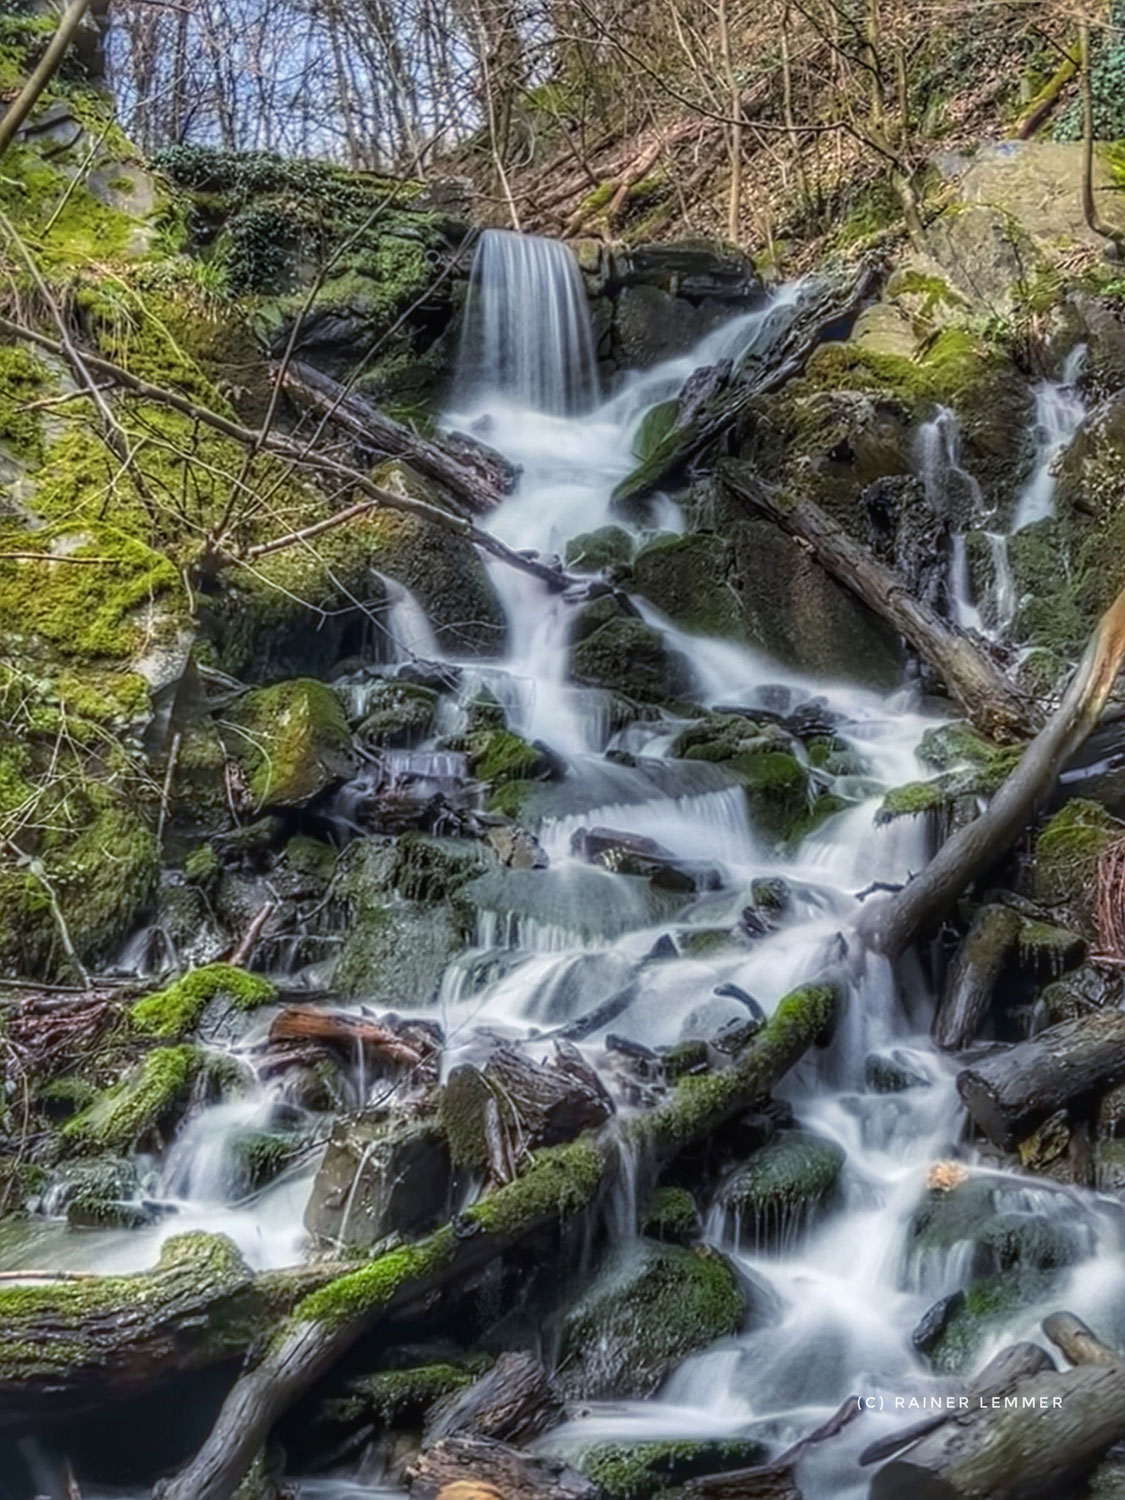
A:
(973, 976)
(1012, 1092)
(68, 1349)
(559, 1184)
(973, 679)
(474, 475)
(712, 403)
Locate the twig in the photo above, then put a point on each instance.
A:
(241, 955)
(166, 790)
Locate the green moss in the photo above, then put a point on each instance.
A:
(311, 857)
(597, 551)
(655, 426)
(498, 756)
(948, 370)
(398, 713)
(782, 1184)
(672, 1215)
(636, 1471)
(202, 865)
(645, 1313)
(394, 1397)
(173, 1012)
(139, 1107)
(686, 577)
(374, 1286)
(22, 378)
(1068, 847)
(508, 799)
(560, 1181)
(88, 609)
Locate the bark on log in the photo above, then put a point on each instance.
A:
(891, 924)
(973, 679)
(1016, 1452)
(772, 1481)
(70, 1349)
(476, 476)
(1077, 1341)
(513, 1403)
(972, 977)
(698, 425)
(1011, 1092)
(478, 1468)
(309, 1023)
(559, 1185)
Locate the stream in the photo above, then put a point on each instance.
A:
(836, 1298)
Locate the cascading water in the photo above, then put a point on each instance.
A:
(837, 1290)
(527, 325)
(954, 494)
(1059, 413)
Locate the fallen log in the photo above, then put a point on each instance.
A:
(775, 1480)
(973, 975)
(1038, 1440)
(559, 1183)
(974, 681)
(309, 1023)
(76, 1347)
(468, 1467)
(1011, 1092)
(476, 476)
(700, 422)
(513, 1403)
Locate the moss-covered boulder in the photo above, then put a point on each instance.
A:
(291, 742)
(785, 803)
(609, 549)
(403, 915)
(397, 713)
(643, 1315)
(672, 1216)
(688, 578)
(778, 1191)
(614, 650)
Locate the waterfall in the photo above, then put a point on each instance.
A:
(1059, 413)
(527, 334)
(938, 457)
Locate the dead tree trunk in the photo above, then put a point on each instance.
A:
(72, 1348)
(972, 977)
(973, 679)
(476, 476)
(1013, 1091)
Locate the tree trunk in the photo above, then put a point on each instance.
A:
(974, 681)
(476, 476)
(1089, 207)
(48, 65)
(971, 980)
(1011, 1092)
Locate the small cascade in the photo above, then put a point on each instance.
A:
(527, 335)
(1059, 413)
(955, 494)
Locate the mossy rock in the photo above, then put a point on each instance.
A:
(397, 1398)
(397, 713)
(672, 1216)
(174, 1012)
(498, 756)
(381, 1177)
(291, 741)
(688, 578)
(608, 548)
(1067, 850)
(783, 802)
(443, 572)
(776, 1194)
(976, 1320)
(636, 1471)
(395, 949)
(615, 651)
(144, 1107)
(643, 1315)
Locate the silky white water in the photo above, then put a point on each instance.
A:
(838, 1303)
(1059, 413)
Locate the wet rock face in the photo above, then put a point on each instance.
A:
(777, 1193)
(380, 1178)
(643, 1315)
